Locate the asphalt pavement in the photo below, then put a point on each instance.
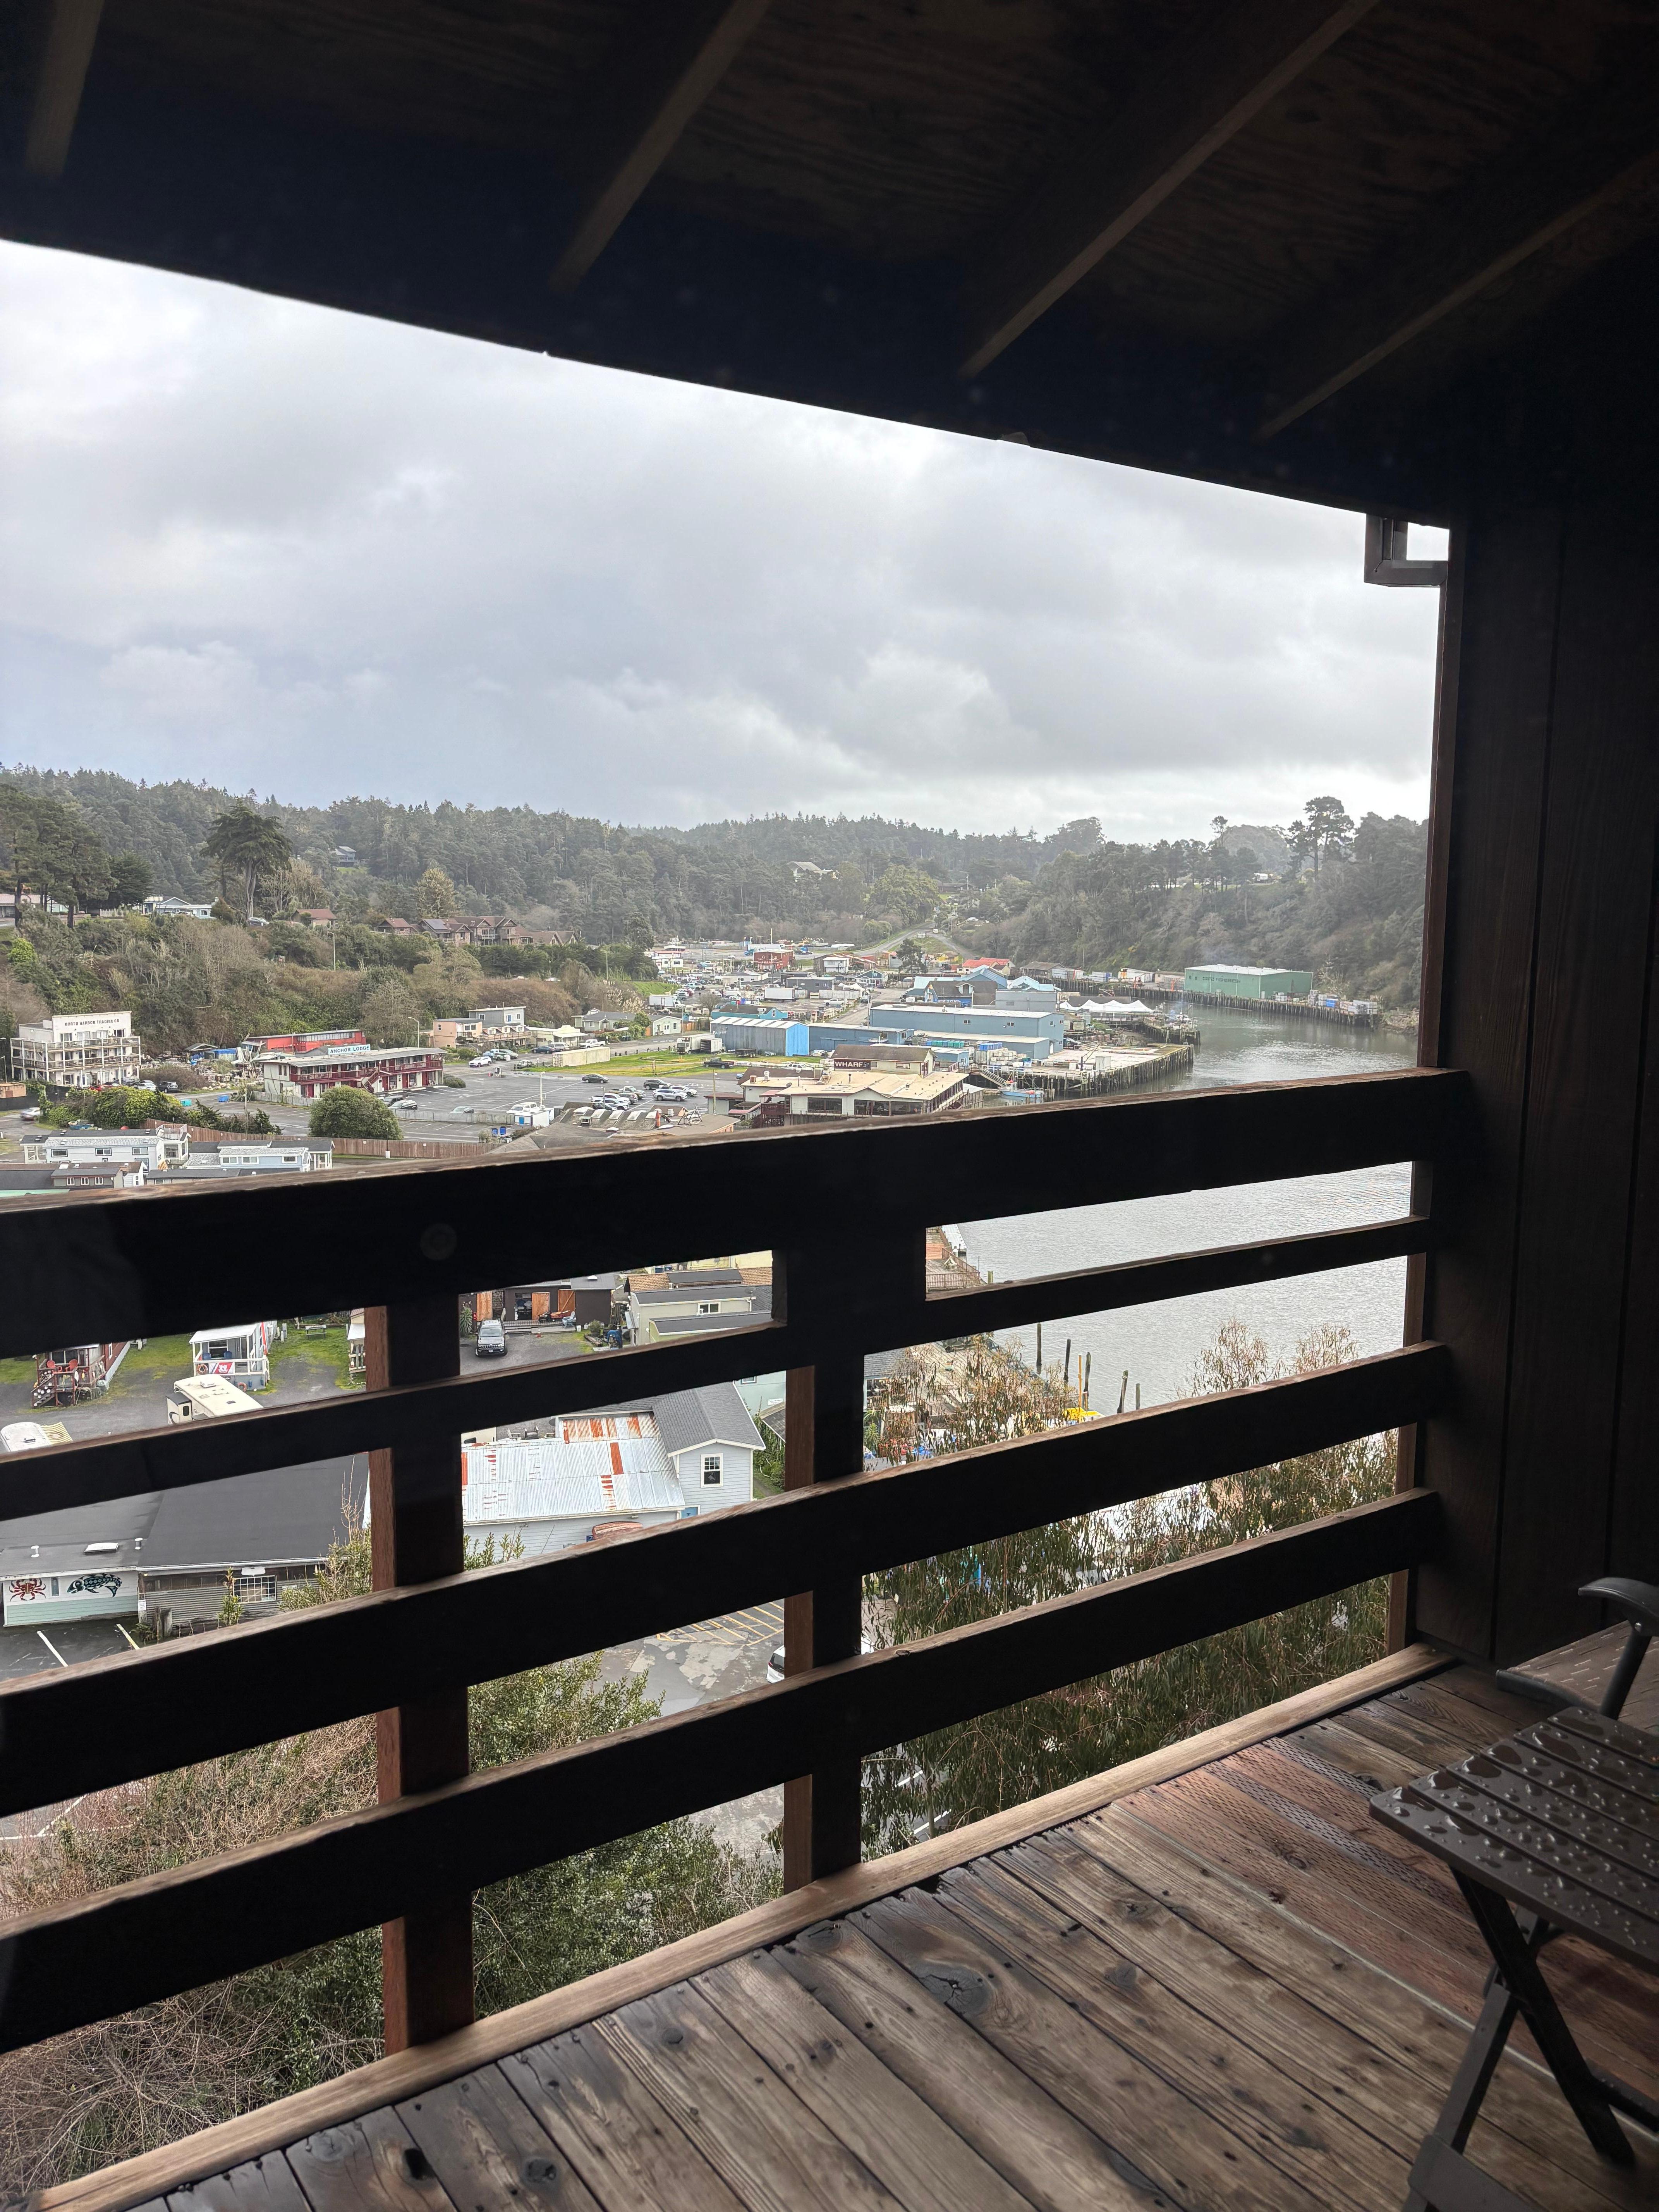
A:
(461, 1116)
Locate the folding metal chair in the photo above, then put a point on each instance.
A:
(1561, 1820)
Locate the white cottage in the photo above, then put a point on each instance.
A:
(611, 1472)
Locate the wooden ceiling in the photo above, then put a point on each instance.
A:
(1268, 240)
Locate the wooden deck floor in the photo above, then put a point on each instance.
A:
(1232, 1989)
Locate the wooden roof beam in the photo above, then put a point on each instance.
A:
(1606, 146)
(686, 49)
(71, 31)
(1203, 93)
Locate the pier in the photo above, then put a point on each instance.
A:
(1085, 1074)
(1295, 1010)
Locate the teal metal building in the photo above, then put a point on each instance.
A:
(1224, 981)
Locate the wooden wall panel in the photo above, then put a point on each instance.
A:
(1584, 1081)
(1489, 806)
(1548, 1292)
(1633, 1521)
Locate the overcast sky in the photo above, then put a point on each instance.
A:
(279, 547)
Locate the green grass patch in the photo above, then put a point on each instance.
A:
(322, 1352)
(162, 1359)
(649, 1063)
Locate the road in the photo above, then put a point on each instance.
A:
(694, 1665)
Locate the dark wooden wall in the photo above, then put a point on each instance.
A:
(1547, 795)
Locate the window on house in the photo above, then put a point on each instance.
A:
(711, 1467)
(710, 1305)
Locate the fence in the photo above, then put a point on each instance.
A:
(405, 1148)
(845, 1219)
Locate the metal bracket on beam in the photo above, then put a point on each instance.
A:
(1385, 557)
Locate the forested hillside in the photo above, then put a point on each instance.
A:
(600, 880)
(1356, 923)
(1341, 900)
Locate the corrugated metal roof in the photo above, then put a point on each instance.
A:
(531, 1479)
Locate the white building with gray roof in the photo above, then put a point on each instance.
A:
(590, 1476)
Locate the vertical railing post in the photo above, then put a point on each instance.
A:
(818, 1289)
(414, 1524)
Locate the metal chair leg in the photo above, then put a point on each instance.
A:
(1517, 1965)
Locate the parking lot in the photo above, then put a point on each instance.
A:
(462, 1115)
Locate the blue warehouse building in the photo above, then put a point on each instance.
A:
(946, 1029)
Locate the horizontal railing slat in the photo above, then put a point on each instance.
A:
(115, 1266)
(174, 1931)
(113, 1720)
(128, 1466)
(1182, 1275)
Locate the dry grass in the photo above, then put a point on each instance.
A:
(123, 2086)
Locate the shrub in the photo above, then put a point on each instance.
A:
(347, 1112)
(115, 1106)
(256, 1122)
(1002, 1758)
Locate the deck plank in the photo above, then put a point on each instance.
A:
(1246, 2092)
(904, 2143)
(1336, 1868)
(1466, 1704)
(1405, 2029)
(487, 2147)
(1349, 1901)
(1111, 2090)
(748, 2125)
(1371, 1765)
(368, 2165)
(1366, 2080)
(262, 2185)
(1584, 1667)
(1426, 1738)
(1217, 1986)
(1013, 2123)
(616, 2135)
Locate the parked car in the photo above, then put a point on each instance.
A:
(483, 1059)
(652, 1083)
(674, 1094)
(592, 1079)
(492, 1341)
(405, 1105)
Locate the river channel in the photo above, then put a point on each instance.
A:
(1159, 1344)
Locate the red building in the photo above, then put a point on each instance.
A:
(294, 1070)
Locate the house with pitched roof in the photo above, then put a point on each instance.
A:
(587, 1478)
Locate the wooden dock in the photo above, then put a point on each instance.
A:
(1123, 1071)
(1207, 1982)
(1293, 1010)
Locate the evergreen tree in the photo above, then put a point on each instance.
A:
(248, 847)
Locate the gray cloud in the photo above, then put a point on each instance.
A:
(282, 547)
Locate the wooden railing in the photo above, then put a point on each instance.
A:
(845, 1211)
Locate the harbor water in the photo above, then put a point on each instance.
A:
(1160, 1345)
